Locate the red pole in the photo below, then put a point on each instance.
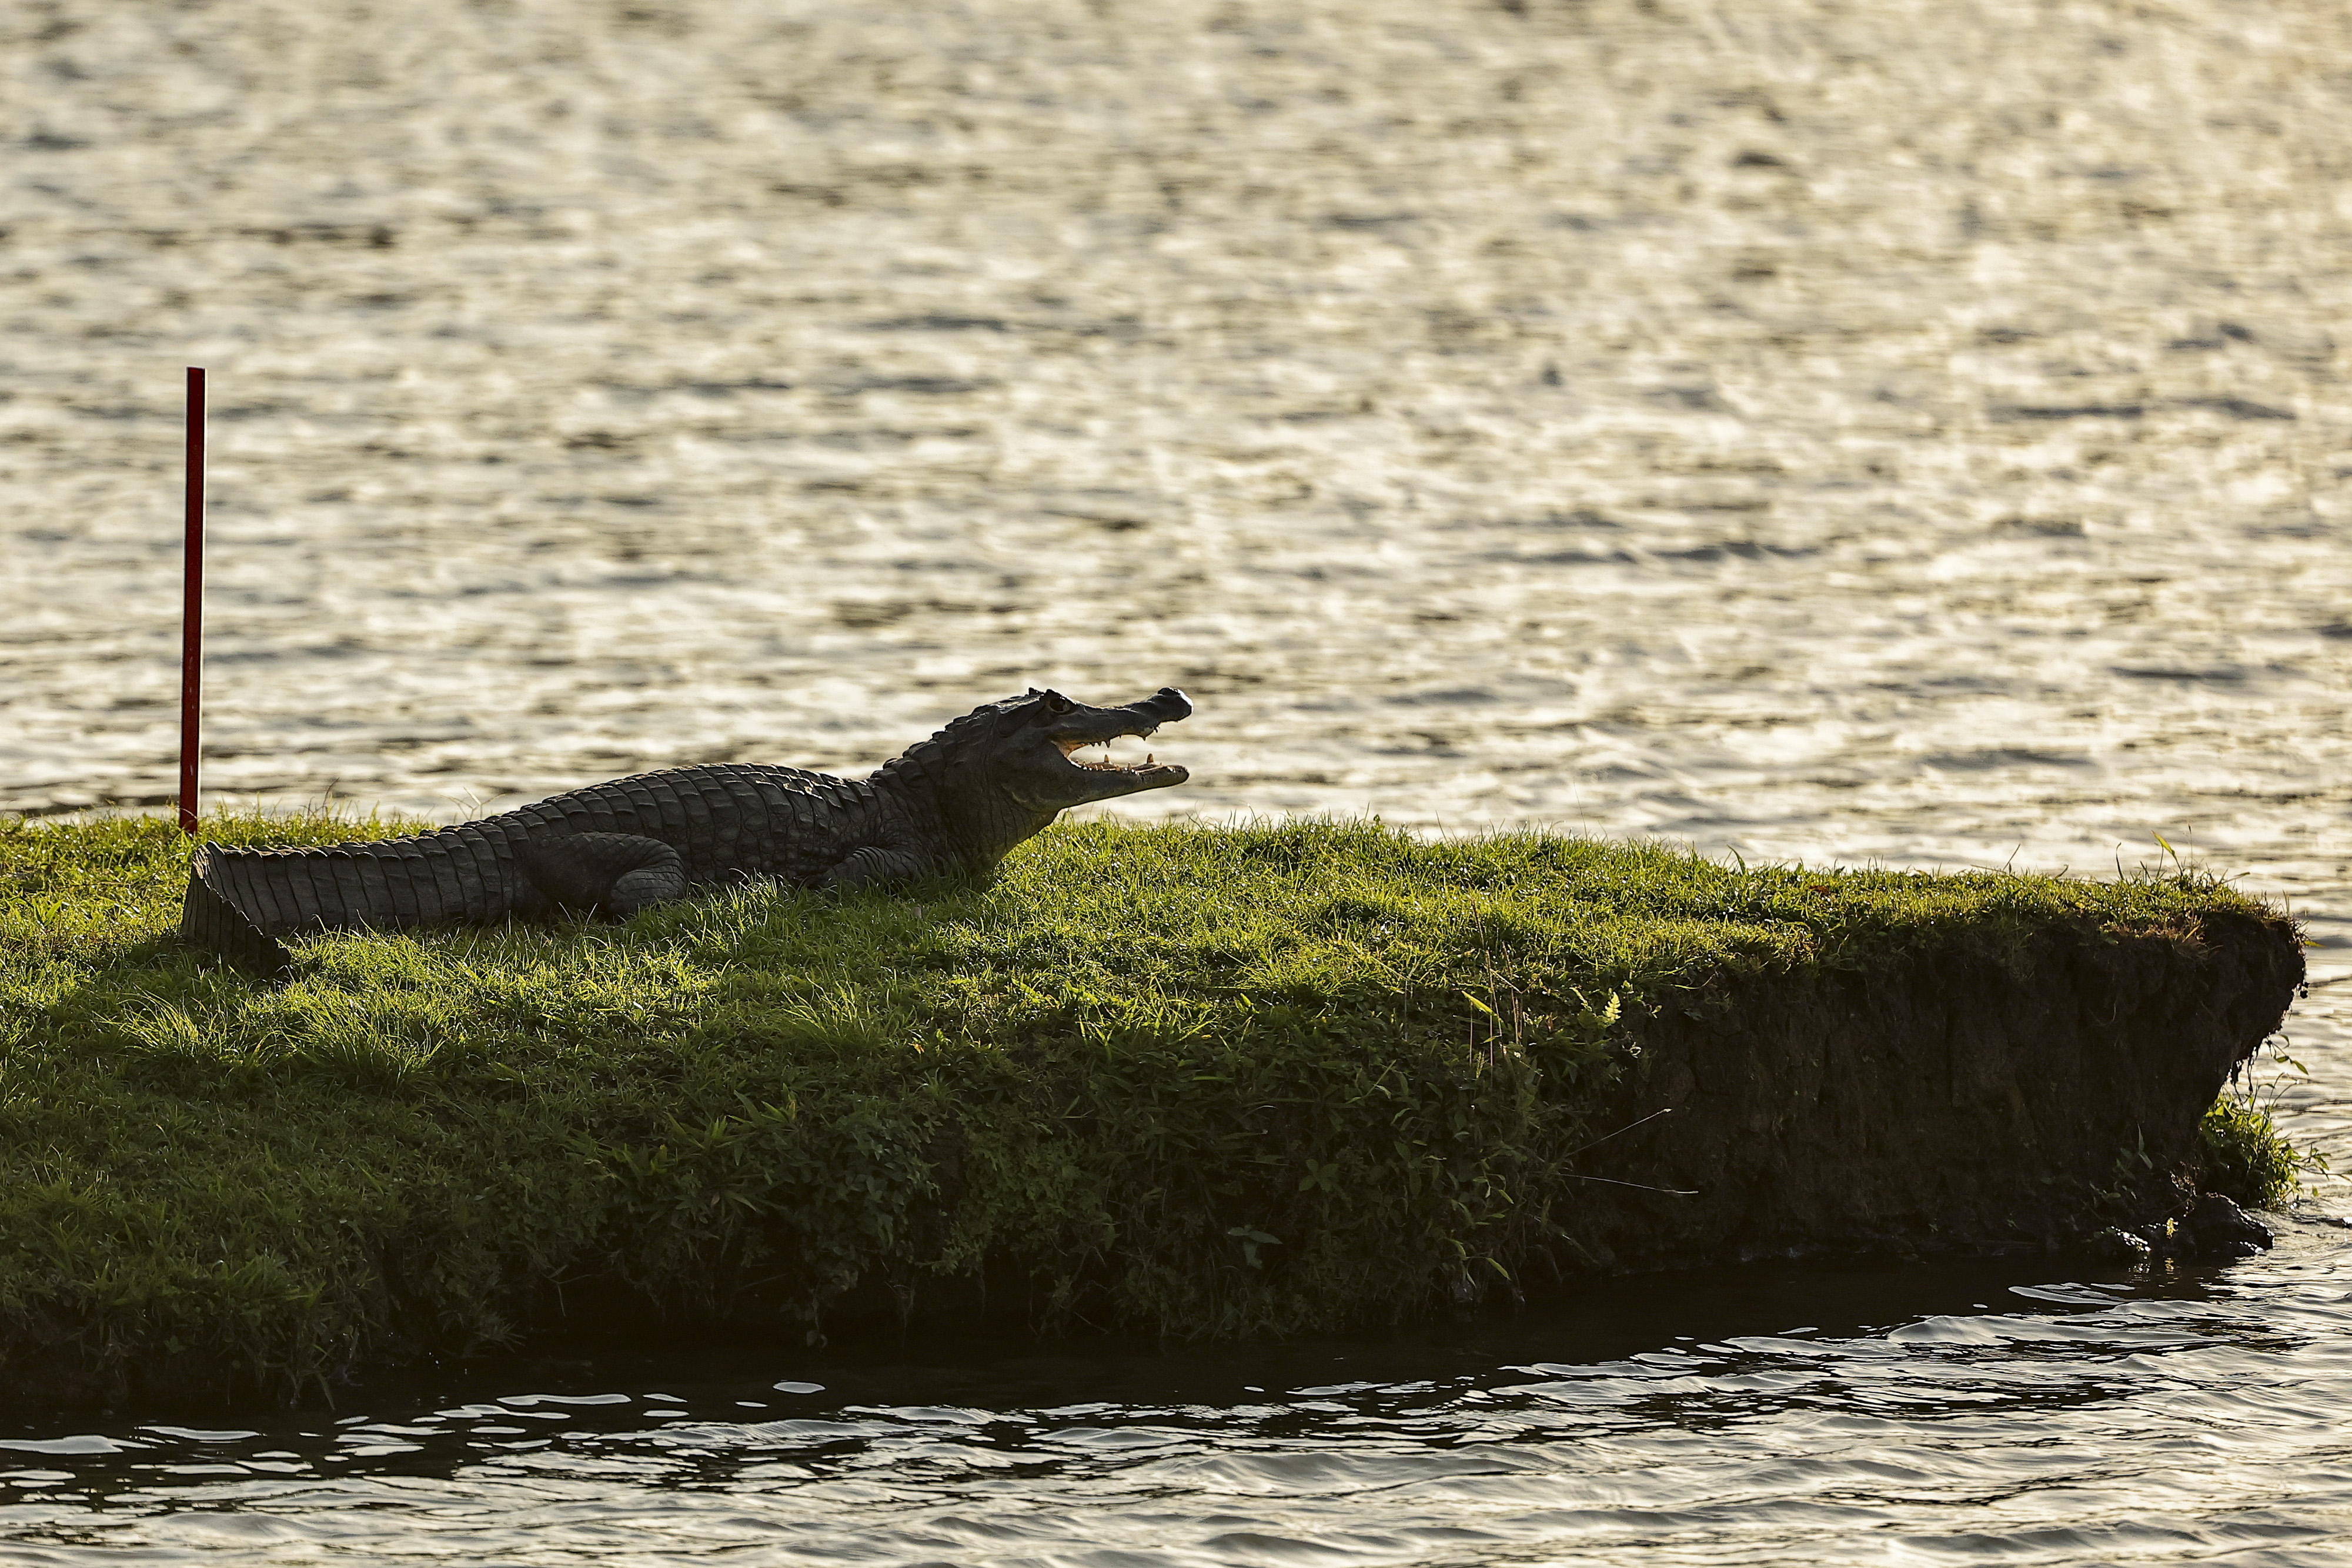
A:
(192, 612)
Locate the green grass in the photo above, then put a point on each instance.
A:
(1213, 1083)
(2246, 1158)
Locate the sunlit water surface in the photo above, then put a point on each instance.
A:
(1898, 433)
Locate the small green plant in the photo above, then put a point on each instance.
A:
(2247, 1160)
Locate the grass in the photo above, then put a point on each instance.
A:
(1206, 1083)
(2246, 1158)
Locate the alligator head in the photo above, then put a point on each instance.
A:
(1006, 769)
(1039, 764)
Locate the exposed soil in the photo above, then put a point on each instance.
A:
(1952, 1104)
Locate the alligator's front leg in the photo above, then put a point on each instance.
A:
(873, 865)
(605, 874)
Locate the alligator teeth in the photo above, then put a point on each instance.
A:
(1071, 749)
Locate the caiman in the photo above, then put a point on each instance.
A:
(957, 803)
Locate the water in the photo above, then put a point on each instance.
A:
(1992, 1421)
(1904, 433)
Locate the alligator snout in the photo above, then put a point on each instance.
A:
(1165, 705)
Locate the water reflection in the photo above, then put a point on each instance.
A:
(2194, 1416)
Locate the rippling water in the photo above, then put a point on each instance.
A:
(1871, 432)
(1991, 1420)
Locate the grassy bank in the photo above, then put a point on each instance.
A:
(1201, 1082)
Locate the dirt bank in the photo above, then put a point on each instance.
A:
(1952, 1101)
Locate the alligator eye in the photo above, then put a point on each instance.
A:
(1057, 702)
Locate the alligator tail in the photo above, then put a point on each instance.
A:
(210, 919)
(241, 901)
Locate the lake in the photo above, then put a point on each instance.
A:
(1890, 434)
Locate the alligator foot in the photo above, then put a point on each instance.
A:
(603, 873)
(873, 865)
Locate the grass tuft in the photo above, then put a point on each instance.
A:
(2246, 1159)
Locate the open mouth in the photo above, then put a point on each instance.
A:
(1102, 748)
(1096, 756)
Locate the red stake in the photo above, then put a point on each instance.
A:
(192, 612)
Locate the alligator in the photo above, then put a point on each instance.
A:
(957, 803)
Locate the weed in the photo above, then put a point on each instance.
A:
(2246, 1158)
